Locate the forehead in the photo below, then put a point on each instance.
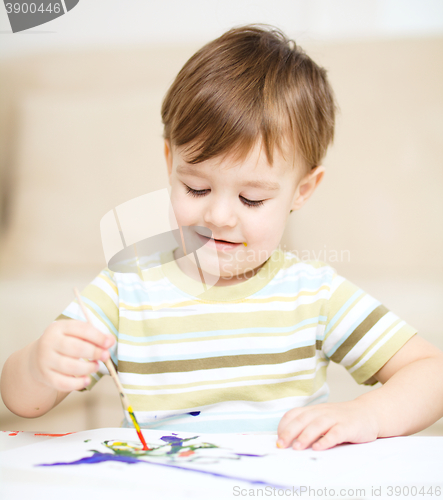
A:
(267, 184)
(253, 168)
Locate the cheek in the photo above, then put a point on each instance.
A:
(183, 207)
(266, 227)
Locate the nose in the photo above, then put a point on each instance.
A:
(220, 212)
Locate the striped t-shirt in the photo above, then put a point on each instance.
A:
(236, 358)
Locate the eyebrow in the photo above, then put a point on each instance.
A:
(263, 184)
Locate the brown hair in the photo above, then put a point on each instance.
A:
(250, 83)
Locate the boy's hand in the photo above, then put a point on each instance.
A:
(56, 359)
(326, 425)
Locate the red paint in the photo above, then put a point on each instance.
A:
(53, 435)
(142, 439)
(186, 453)
(13, 433)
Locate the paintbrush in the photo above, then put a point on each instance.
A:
(113, 373)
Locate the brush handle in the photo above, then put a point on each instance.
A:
(108, 363)
(114, 375)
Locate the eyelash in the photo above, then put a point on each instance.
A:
(246, 202)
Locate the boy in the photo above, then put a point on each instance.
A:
(247, 123)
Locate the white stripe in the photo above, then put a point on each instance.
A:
(341, 328)
(74, 310)
(215, 374)
(371, 336)
(225, 308)
(294, 274)
(102, 283)
(215, 346)
(240, 383)
(234, 410)
(377, 346)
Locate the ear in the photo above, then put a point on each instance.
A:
(307, 186)
(168, 158)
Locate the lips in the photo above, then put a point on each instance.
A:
(218, 243)
(218, 239)
(225, 241)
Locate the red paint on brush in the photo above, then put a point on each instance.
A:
(142, 439)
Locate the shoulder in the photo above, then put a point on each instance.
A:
(296, 276)
(292, 264)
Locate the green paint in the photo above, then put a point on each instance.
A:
(169, 450)
(174, 450)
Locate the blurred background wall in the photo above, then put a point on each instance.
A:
(80, 133)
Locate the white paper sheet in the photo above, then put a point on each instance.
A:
(194, 470)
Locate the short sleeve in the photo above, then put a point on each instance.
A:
(101, 299)
(361, 333)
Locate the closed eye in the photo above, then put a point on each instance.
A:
(195, 192)
(251, 203)
(202, 192)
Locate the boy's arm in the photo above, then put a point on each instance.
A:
(21, 392)
(39, 376)
(410, 399)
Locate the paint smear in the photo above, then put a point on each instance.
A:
(173, 449)
(186, 453)
(99, 457)
(53, 435)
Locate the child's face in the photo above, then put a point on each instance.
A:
(240, 202)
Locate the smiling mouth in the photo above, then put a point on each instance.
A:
(221, 241)
(225, 241)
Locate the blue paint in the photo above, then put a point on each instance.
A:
(175, 442)
(194, 413)
(108, 457)
(173, 439)
(97, 458)
(249, 455)
(176, 446)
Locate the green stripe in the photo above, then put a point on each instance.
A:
(190, 365)
(204, 322)
(202, 383)
(104, 302)
(345, 291)
(258, 393)
(359, 332)
(383, 355)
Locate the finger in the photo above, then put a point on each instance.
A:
(311, 433)
(65, 383)
(287, 418)
(86, 332)
(73, 367)
(293, 428)
(336, 435)
(77, 348)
